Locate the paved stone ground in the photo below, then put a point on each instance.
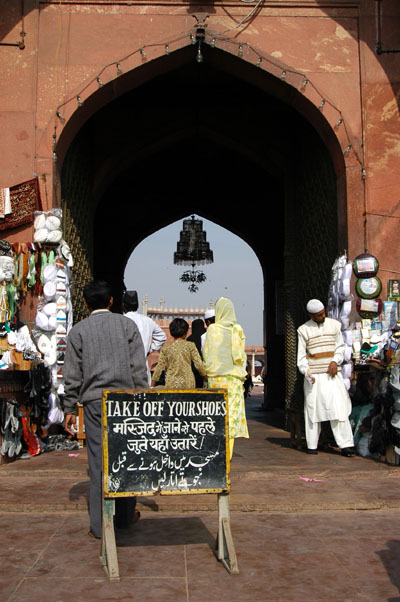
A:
(306, 529)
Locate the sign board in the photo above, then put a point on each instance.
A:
(165, 441)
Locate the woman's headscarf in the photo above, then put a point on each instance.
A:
(225, 313)
(224, 349)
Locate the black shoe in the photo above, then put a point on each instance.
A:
(311, 451)
(349, 451)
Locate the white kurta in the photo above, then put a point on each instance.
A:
(152, 334)
(327, 398)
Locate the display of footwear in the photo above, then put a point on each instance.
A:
(11, 429)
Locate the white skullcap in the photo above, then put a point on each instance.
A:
(62, 275)
(209, 313)
(43, 343)
(61, 316)
(40, 222)
(314, 306)
(60, 287)
(54, 236)
(61, 302)
(61, 330)
(50, 357)
(50, 309)
(49, 273)
(49, 290)
(40, 235)
(42, 321)
(53, 223)
(52, 322)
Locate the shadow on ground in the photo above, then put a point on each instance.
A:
(390, 560)
(180, 531)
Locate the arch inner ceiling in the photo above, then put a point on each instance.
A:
(200, 139)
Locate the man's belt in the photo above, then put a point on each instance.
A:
(318, 356)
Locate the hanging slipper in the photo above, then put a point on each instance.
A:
(4, 446)
(3, 412)
(14, 419)
(7, 421)
(11, 448)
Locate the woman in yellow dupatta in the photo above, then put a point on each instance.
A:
(225, 362)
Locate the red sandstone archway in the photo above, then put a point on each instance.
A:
(282, 81)
(172, 144)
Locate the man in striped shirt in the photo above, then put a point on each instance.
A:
(319, 357)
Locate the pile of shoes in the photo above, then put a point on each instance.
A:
(58, 443)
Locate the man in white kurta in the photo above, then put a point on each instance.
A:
(152, 334)
(319, 357)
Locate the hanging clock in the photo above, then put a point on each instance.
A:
(369, 308)
(369, 288)
(365, 265)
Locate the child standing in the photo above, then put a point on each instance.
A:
(178, 356)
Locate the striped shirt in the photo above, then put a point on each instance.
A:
(319, 345)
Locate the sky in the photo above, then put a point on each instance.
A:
(235, 274)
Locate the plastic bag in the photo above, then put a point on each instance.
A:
(48, 226)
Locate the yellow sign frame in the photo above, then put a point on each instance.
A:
(112, 494)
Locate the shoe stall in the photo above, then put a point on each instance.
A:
(371, 331)
(35, 318)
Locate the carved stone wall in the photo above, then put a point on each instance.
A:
(78, 211)
(311, 246)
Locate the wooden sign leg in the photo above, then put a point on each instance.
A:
(109, 558)
(225, 548)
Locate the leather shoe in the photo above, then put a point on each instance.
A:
(311, 451)
(92, 535)
(349, 451)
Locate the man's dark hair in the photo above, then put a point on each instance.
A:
(130, 301)
(178, 328)
(97, 294)
(210, 320)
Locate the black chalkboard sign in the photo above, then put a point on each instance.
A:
(164, 441)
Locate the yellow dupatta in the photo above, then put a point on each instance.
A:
(224, 347)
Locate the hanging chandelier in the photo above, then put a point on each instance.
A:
(193, 249)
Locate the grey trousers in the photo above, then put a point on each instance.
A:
(124, 507)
